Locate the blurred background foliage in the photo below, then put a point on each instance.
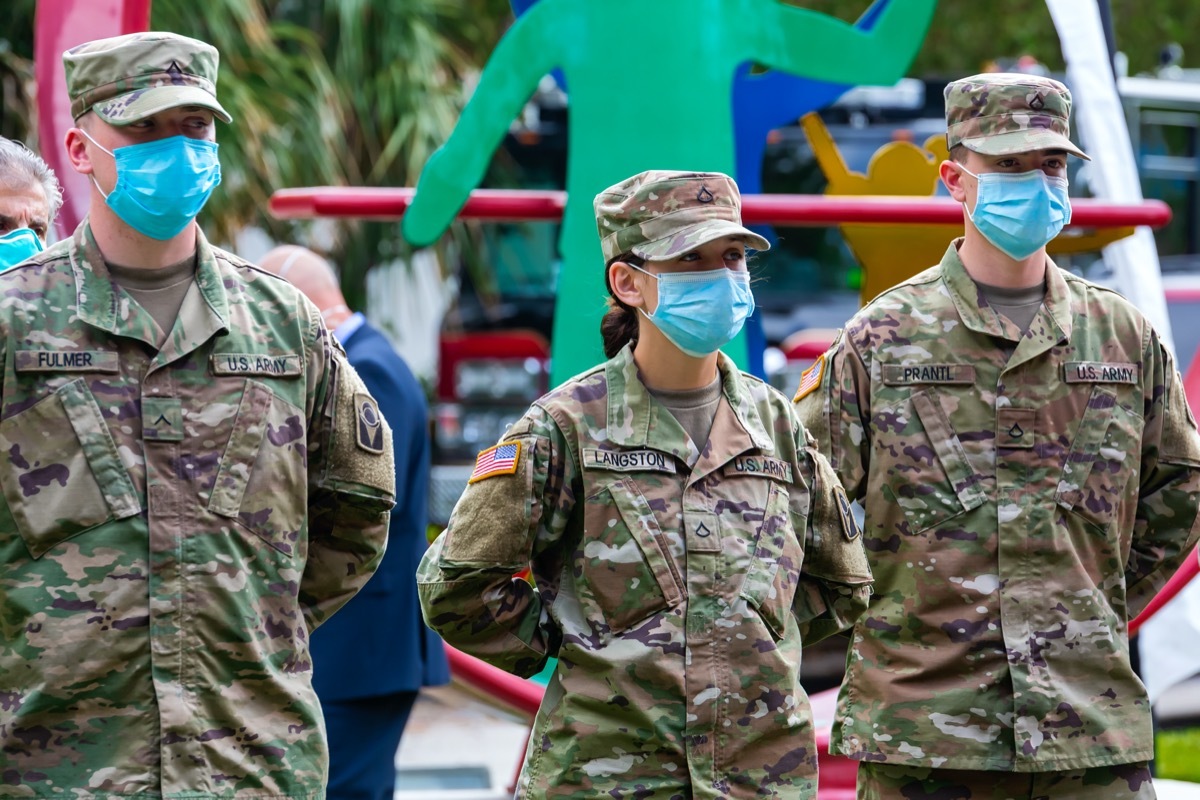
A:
(360, 92)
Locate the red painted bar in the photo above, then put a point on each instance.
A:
(1182, 577)
(777, 209)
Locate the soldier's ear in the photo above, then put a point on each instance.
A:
(624, 282)
(77, 153)
(952, 176)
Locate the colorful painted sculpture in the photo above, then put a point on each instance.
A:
(641, 99)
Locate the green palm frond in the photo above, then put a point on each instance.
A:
(355, 92)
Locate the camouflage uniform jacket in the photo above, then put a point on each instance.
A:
(674, 586)
(174, 522)
(1025, 495)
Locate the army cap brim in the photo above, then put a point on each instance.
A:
(137, 105)
(1023, 141)
(685, 240)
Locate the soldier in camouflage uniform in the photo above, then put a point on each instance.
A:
(187, 491)
(1029, 467)
(684, 536)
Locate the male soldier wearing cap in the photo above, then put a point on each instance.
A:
(684, 536)
(1030, 471)
(193, 477)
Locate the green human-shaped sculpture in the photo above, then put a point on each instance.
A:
(650, 88)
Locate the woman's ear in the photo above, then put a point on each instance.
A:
(623, 280)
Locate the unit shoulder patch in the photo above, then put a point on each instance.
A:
(368, 423)
(810, 379)
(499, 460)
(849, 523)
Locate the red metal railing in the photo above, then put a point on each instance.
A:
(515, 205)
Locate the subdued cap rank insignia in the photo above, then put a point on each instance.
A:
(369, 423)
(499, 460)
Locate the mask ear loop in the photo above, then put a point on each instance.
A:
(92, 177)
(642, 311)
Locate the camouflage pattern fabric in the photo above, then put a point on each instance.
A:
(1025, 496)
(1119, 782)
(659, 215)
(1002, 114)
(128, 78)
(174, 523)
(675, 585)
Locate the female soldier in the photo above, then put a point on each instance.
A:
(683, 535)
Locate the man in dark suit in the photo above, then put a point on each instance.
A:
(372, 658)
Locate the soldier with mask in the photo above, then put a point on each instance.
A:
(193, 477)
(1030, 471)
(684, 537)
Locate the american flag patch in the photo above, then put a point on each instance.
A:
(810, 379)
(498, 460)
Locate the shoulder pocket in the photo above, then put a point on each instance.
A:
(626, 568)
(360, 457)
(60, 470)
(262, 480)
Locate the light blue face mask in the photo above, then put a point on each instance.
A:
(162, 185)
(18, 245)
(1020, 212)
(700, 311)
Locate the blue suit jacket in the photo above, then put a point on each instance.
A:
(378, 644)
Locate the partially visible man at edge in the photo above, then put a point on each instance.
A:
(1030, 470)
(370, 662)
(193, 476)
(30, 197)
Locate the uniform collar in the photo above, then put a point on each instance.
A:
(637, 419)
(100, 302)
(1051, 325)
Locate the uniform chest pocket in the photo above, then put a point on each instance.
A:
(1104, 457)
(624, 566)
(262, 481)
(60, 470)
(928, 475)
(776, 556)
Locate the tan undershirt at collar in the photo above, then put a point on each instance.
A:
(159, 291)
(1018, 305)
(694, 409)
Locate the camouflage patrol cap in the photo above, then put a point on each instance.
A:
(661, 214)
(1003, 113)
(128, 78)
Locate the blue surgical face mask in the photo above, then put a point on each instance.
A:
(1020, 212)
(18, 245)
(162, 185)
(700, 311)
